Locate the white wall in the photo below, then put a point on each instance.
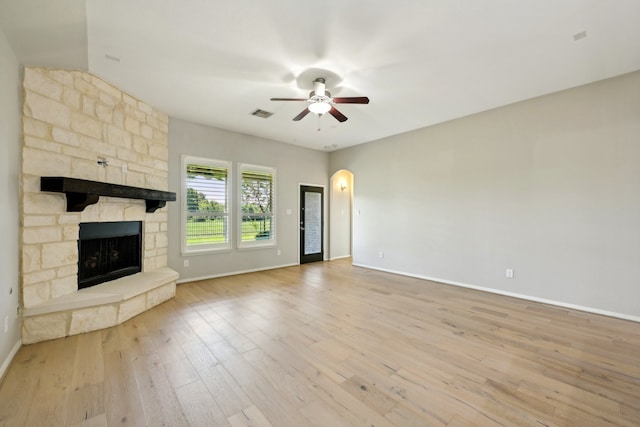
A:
(549, 187)
(294, 165)
(340, 215)
(9, 168)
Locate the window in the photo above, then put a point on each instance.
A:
(206, 204)
(257, 206)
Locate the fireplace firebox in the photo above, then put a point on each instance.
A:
(108, 251)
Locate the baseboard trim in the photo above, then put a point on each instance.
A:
(339, 257)
(509, 294)
(233, 273)
(9, 359)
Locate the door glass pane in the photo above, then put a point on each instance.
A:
(312, 223)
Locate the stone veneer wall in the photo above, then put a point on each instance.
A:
(70, 119)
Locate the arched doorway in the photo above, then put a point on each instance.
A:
(340, 214)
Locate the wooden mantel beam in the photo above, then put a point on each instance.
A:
(81, 193)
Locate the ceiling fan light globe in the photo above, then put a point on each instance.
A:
(319, 108)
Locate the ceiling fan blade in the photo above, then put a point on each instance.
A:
(352, 100)
(338, 115)
(301, 115)
(288, 99)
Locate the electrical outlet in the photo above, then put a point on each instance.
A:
(185, 263)
(509, 273)
(279, 252)
(380, 254)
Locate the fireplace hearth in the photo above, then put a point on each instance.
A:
(108, 251)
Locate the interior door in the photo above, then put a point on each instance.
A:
(311, 224)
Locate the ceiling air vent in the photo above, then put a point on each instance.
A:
(262, 113)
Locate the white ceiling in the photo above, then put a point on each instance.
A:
(421, 62)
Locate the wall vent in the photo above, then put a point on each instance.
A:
(262, 113)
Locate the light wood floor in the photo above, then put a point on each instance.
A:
(327, 344)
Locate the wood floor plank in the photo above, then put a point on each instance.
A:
(225, 390)
(24, 376)
(249, 417)
(281, 407)
(199, 406)
(329, 344)
(122, 395)
(346, 404)
(49, 404)
(85, 399)
(97, 421)
(159, 400)
(319, 413)
(181, 372)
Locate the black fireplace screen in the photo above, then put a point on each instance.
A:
(108, 251)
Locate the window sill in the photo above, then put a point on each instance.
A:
(205, 251)
(256, 245)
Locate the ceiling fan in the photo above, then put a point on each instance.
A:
(321, 102)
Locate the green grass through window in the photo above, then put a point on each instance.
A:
(205, 231)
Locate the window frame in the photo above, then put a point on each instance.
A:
(195, 249)
(258, 243)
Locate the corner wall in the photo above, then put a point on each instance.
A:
(548, 187)
(9, 225)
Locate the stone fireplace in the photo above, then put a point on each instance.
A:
(79, 127)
